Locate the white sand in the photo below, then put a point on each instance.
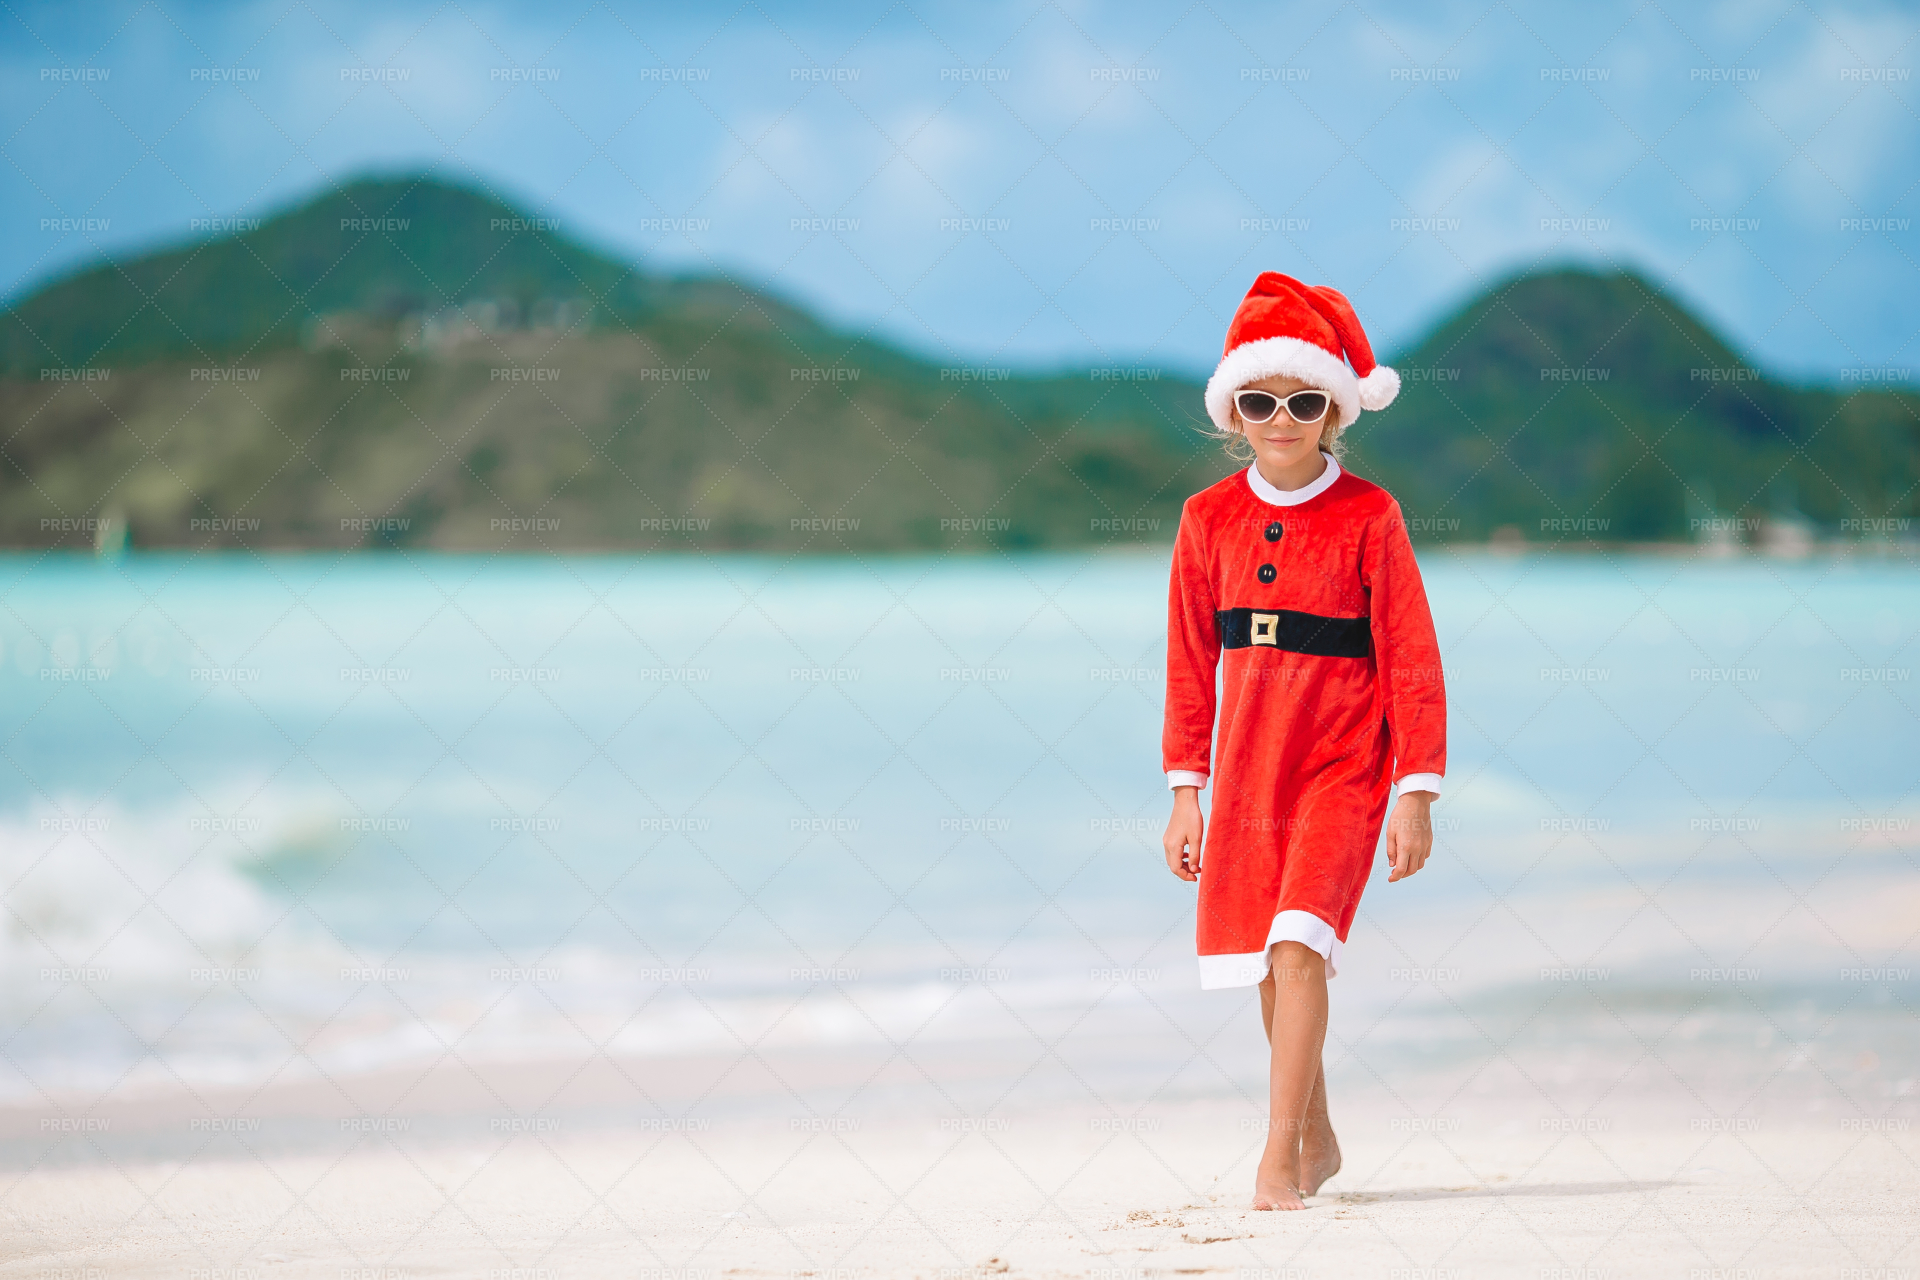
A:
(1067, 1193)
(1699, 1133)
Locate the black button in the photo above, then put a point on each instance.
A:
(1274, 531)
(1268, 573)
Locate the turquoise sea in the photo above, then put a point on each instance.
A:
(266, 816)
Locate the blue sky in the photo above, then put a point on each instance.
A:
(1036, 183)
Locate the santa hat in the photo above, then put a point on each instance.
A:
(1300, 331)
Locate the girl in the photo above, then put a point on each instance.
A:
(1330, 694)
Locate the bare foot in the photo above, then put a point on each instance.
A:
(1274, 1187)
(1319, 1154)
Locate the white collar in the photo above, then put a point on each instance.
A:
(1292, 497)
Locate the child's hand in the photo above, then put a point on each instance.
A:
(1409, 834)
(1185, 831)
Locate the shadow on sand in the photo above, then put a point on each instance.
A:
(1489, 1190)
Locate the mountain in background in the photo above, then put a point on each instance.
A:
(383, 247)
(1569, 403)
(411, 362)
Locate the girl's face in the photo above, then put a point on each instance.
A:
(1280, 442)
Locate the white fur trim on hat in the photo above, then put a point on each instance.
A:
(1285, 357)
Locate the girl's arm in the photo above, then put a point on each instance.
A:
(1193, 653)
(1414, 695)
(1406, 657)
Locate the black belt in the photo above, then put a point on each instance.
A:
(1295, 632)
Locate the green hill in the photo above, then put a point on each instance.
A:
(383, 247)
(414, 362)
(1573, 404)
(407, 361)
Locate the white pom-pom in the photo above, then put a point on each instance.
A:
(1378, 388)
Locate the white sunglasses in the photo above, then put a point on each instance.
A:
(1304, 407)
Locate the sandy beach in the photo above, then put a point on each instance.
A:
(1543, 1123)
(1507, 1168)
(1036, 1195)
(1589, 1125)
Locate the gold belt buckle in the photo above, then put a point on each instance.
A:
(1266, 628)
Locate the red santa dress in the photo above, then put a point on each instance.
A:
(1307, 608)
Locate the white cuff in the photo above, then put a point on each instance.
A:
(1420, 782)
(1185, 778)
(1288, 926)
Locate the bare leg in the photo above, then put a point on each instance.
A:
(1293, 1005)
(1319, 1149)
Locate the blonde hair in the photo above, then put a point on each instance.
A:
(1333, 436)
